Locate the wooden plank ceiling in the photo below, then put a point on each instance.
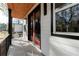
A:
(19, 10)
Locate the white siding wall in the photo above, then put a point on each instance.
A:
(63, 46)
(45, 29)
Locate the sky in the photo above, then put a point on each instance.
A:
(3, 18)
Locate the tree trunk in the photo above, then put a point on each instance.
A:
(67, 26)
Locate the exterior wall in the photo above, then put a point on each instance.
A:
(60, 46)
(45, 29)
(52, 45)
(63, 46)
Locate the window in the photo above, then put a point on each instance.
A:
(61, 5)
(3, 19)
(66, 19)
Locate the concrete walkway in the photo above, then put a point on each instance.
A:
(22, 47)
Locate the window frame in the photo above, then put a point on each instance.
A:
(61, 34)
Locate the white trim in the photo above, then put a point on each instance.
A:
(65, 7)
(54, 23)
(67, 33)
(31, 10)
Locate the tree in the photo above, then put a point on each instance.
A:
(66, 15)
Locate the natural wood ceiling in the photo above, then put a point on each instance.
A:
(19, 10)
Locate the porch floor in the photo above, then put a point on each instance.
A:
(22, 47)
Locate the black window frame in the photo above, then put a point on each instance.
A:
(60, 35)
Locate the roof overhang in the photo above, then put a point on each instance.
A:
(19, 10)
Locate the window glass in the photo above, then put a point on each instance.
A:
(68, 20)
(60, 5)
